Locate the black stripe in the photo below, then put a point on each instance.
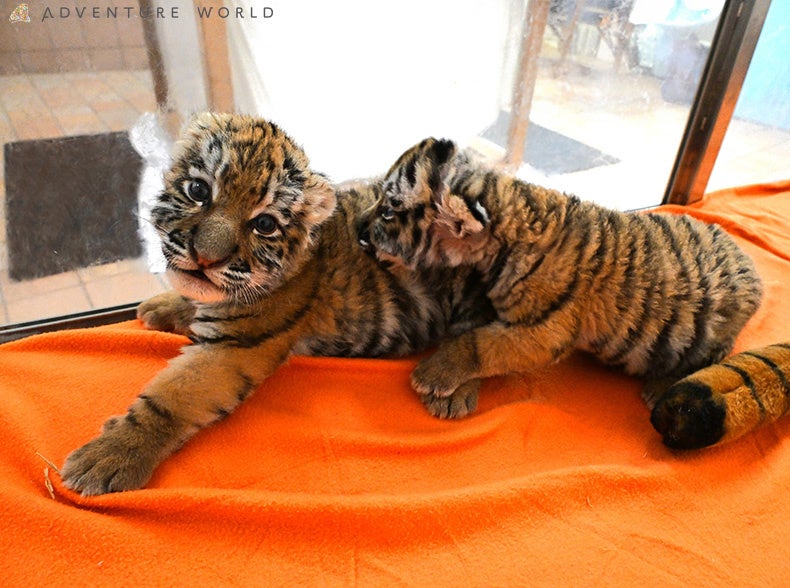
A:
(460, 183)
(523, 277)
(663, 354)
(247, 386)
(747, 380)
(782, 345)
(635, 245)
(434, 178)
(625, 298)
(224, 319)
(663, 347)
(159, 411)
(222, 414)
(370, 285)
(131, 418)
(474, 208)
(774, 368)
(246, 341)
(699, 345)
(560, 301)
(494, 272)
(411, 172)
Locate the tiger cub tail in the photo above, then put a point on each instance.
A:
(725, 400)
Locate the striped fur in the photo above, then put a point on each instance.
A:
(726, 400)
(264, 254)
(658, 295)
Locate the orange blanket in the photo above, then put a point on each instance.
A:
(333, 474)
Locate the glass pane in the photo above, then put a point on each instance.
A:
(614, 85)
(355, 82)
(756, 147)
(70, 88)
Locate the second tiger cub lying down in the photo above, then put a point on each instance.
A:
(659, 295)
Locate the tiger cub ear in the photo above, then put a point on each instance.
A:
(459, 217)
(320, 198)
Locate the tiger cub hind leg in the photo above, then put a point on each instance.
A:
(725, 400)
(168, 311)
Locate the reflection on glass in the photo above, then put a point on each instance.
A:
(756, 147)
(612, 91)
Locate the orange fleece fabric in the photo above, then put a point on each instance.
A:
(333, 474)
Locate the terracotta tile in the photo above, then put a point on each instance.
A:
(104, 59)
(121, 81)
(100, 33)
(109, 270)
(18, 92)
(123, 288)
(93, 89)
(31, 124)
(66, 34)
(135, 58)
(81, 121)
(39, 61)
(60, 95)
(14, 290)
(120, 119)
(130, 31)
(10, 63)
(32, 35)
(72, 60)
(37, 306)
(6, 134)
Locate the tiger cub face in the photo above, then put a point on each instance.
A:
(240, 210)
(417, 220)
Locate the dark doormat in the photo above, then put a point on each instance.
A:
(70, 203)
(549, 151)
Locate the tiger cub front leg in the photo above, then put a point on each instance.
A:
(495, 349)
(202, 386)
(462, 402)
(168, 311)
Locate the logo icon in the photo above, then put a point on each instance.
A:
(20, 14)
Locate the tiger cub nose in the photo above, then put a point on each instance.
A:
(213, 243)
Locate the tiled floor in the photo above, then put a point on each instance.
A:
(626, 112)
(53, 105)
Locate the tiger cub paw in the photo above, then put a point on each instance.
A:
(434, 377)
(688, 416)
(112, 462)
(169, 312)
(459, 404)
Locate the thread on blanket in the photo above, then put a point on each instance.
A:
(47, 480)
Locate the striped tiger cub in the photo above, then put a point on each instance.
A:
(264, 255)
(659, 295)
(725, 400)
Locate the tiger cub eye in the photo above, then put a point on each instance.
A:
(199, 191)
(264, 224)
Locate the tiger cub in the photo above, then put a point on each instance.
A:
(263, 253)
(726, 400)
(657, 294)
